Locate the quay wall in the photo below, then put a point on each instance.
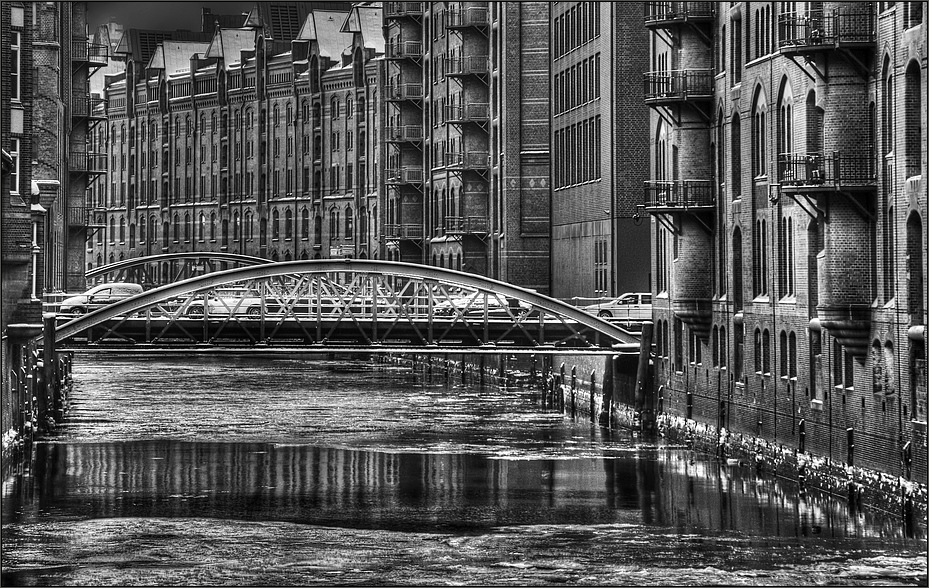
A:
(602, 388)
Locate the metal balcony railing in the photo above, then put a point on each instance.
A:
(401, 231)
(827, 170)
(404, 92)
(93, 53)
(851, 25)
(679, 85)
(79, 216)
(87, 106)
(406, 175)
(469, 160)
(679, 194)
(403, 134)
(660, 13)
(475, 16)
(401, 9)
(403, 49)
(474, 112)
(466, 225)
(82, 161)
(466, 66)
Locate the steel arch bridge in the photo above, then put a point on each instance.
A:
(168, 268)
(381, 306)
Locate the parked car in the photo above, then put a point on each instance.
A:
(98, 297)
(631, 307)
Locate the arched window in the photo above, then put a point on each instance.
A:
(915, 245)
(275, 224)
(131, 235)
(288, 224)
(212, 226)
(236, 225)
(187, 227)
(201, 227)
(112, 230)
(887, 107)
(305, 223)
(736, 157)
(913, 140)
(759, 135)
(176, 224)
(737, 269)
(318, 230)
(142, 224)
(785, 119)
(348, 222)
(334, 112)
(122, 229)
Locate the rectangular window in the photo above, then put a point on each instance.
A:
(15, 82)
(14, 169)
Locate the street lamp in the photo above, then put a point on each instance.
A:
(37, 212)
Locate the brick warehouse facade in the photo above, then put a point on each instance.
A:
(467, 172)
(599, 122)
(788, 203)
(46, 119)
(315, 173)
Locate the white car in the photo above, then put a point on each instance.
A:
(631, 307)
(98, 297)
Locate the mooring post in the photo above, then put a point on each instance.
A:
(50, 365)
(644, 407)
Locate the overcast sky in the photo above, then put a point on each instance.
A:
(158, 15)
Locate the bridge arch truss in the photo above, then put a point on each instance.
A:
(332, 304)
(168, 268)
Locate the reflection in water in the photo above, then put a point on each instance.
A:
(427, 492)
(282, 471)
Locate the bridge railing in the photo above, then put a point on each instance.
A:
(333, 303)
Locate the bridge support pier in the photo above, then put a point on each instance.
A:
(644, 402)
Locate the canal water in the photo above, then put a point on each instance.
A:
(272, 470)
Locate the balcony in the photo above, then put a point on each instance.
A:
(404, 232)
(474, 16)
(799, 172)
(475, 112)
(662, 14)
(403, 9)
(86, 106)
(677, 195)
(88, 163)
(472, 160)
(665, 87)
(399, 92)
(466, 225)
(473, 65)
(406, 175)
(403, 49)
(79, 216)
(403, 134)
(851, 26)
(94, 54)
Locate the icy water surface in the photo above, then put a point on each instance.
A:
(300, 471)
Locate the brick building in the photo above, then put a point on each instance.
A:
(48, 116)
(466, 145)
(788, 204)
(599, 149)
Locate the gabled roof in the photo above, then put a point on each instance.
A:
(174, 56)
(139, 44)
(366, 19)
(325, 27)
(228, 45)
